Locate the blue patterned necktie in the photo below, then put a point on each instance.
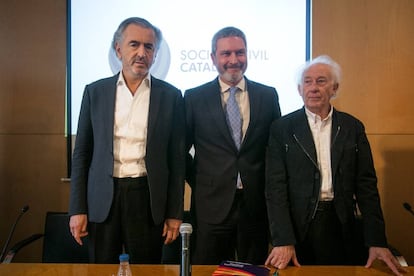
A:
(234, 117)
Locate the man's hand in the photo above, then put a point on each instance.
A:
(385, 255)
(78, 227)
(171, 230)
(280, 257)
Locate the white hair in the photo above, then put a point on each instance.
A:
(323, 59)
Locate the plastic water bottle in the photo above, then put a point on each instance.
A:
(124, 268)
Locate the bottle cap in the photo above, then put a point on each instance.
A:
(124, 257)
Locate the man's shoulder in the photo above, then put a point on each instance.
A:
(258, 84)
(346, 118)
(158, 83)
(254, 85)
(294, 115)
(293, 118)
(104, 81)
(202, 87)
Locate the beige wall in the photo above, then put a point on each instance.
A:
(371, 39)
(32, 116)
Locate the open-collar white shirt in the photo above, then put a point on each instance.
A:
(130, 128)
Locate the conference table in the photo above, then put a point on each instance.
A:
(23, 269)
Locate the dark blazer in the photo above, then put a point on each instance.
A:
(293, 179)
(213, 171)
(93, 160)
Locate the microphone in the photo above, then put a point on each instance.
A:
(15, 248)
(185, 267)
(407, 207)
(22, 211)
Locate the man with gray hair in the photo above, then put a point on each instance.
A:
(127, 180)
(319, 168)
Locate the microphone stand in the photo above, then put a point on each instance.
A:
(22, 211)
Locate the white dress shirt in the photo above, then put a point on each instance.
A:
(130, 129)
(321, 132)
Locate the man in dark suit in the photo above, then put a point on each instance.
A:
(319, 164)
(128, 166)
(227, 171)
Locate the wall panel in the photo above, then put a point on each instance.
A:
(373, 41)
(32, 117)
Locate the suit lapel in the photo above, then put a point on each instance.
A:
(212, 97)
(303, 136)
(337, 142)
(255, 107)
(154, 106)
(109, 115)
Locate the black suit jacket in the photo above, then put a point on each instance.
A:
(93, 160)
(213, 172)
(293, 178)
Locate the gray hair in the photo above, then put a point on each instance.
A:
(118, 35)
(227, 32)
(323, 59)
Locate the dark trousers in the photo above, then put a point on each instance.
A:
(239, 237)
(325, 242)
(129, 226)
